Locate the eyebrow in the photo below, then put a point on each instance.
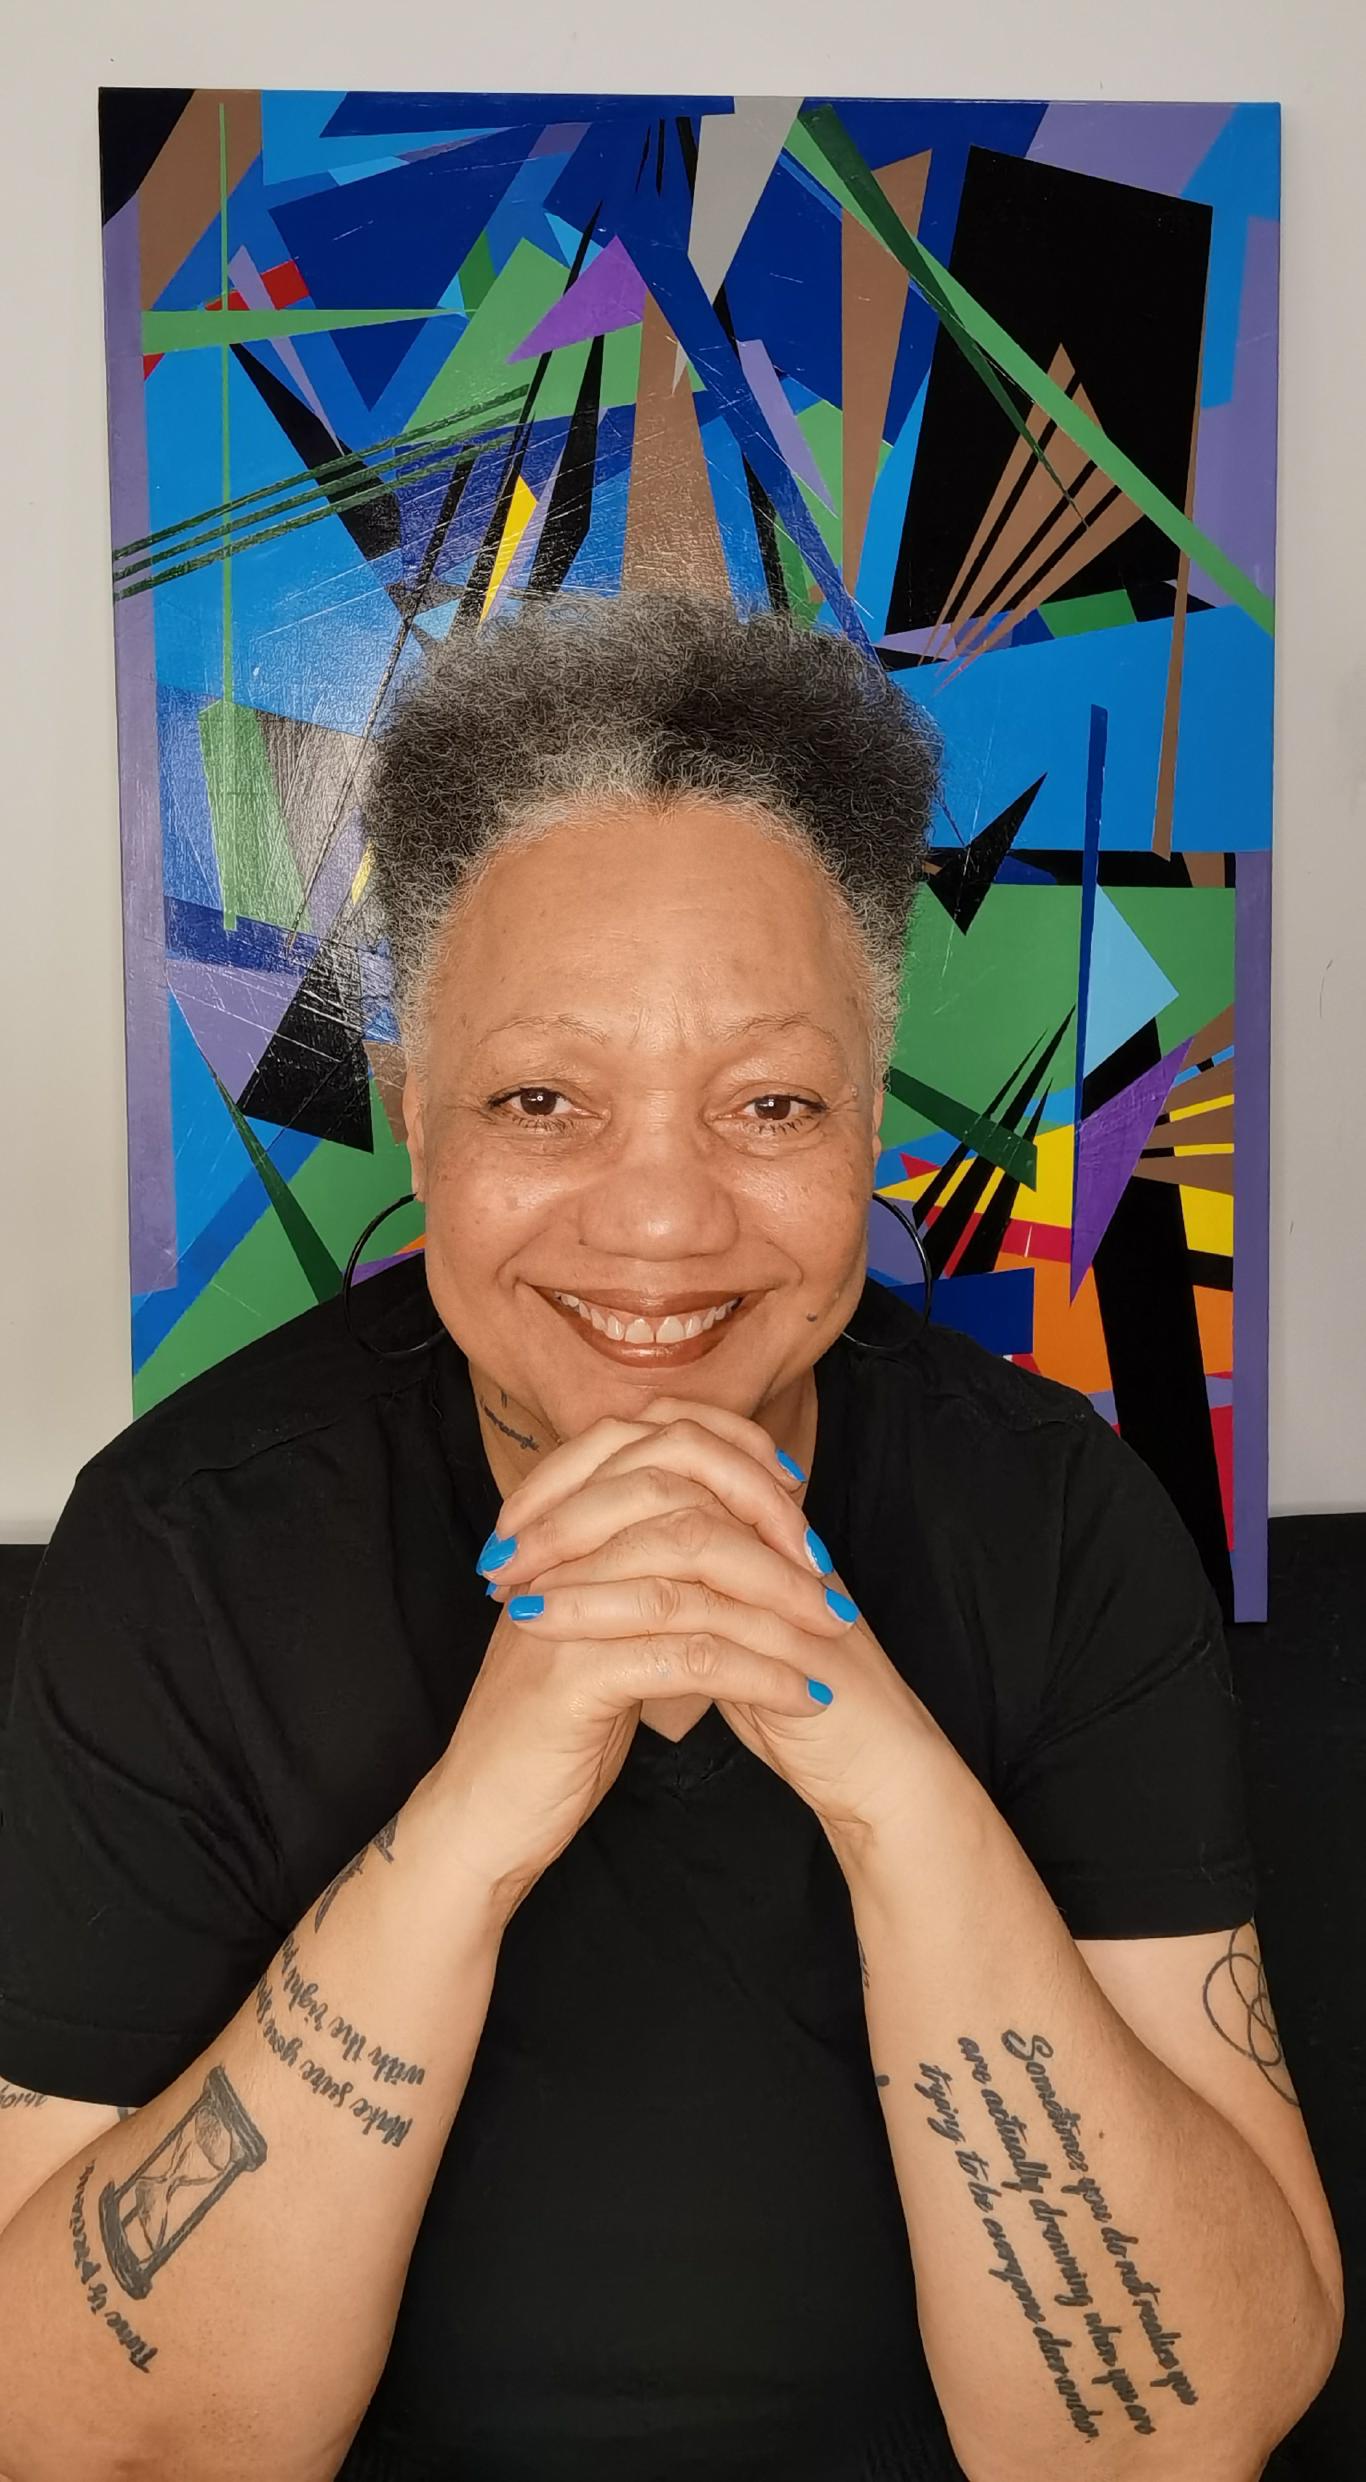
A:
(565, 1022)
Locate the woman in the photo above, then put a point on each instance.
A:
(475, 1791)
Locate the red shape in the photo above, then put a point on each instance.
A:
(1221, 1424)
(284, 284)
(1037, 1240)
(149, 363)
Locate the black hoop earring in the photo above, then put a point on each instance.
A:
(382, 1353)
(911, 1226)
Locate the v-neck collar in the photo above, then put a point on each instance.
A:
(678, 1767)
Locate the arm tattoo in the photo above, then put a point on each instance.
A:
(147, 2216)
(321, 2071)
(1027, 2174)
(382, 1843)
(1238, 2005)
(19, 2098)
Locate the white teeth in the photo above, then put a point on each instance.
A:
(670, 1330)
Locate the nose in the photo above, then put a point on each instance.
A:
(660, 1191)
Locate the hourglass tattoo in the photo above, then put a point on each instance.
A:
(157, 2207)
(1238, 2005)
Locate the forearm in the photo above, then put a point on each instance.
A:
(1099, 2256)
(211, 2286)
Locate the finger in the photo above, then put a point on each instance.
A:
(662, 1469)
(645, 1607)
(696, 1540)
(733, 1426)
(630, 1671)
(564, 1468)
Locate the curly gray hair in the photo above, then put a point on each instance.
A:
(651, 698)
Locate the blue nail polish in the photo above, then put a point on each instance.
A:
(490, 1588)
(840, 1604)
(789, 1464)
(496, 1550)
(817, 1554)
(525, 1606)
(820, 1693)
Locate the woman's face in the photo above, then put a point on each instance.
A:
(595, 1117)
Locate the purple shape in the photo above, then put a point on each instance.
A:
(608, 295)
(1235, 483)
(232, 1013)
(1251, 1231)
(932, 639)
(151, 1151)
(560, 138)
(1109, 1143)
(1147, 146)
(246, 276)
(777, 413)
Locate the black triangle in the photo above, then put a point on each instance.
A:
(313, 1075)
(963, 878)
(135, 123)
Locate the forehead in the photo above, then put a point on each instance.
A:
(686, 917)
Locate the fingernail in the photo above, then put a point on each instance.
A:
(817, 1554)
(496, 1550)
(525, 1606)
(840, 1604)
(490, 1588)
(820, 1693)
(789, 1464)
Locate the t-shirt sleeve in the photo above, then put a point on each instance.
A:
(1128, 1793)
(137, 1872)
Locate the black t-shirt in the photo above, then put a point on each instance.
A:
(665, 2236)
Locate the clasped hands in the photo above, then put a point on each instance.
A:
(682, 1527)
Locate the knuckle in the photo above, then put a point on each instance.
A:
(699, 1653)
(660, 1600)
(660, 1484)
(691, 1528)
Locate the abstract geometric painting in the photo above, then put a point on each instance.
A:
(988, 387)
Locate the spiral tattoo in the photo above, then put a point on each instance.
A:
(1238, 2005)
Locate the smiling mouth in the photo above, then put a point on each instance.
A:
(648, 1336)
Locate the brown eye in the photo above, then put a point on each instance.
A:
(805, 1113)
(536, 1096)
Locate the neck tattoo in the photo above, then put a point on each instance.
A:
(523, 1438)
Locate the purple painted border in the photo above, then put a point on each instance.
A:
(1251, 1230)
(151, 1154)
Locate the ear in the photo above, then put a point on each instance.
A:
(413, 1124)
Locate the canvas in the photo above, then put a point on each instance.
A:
(988, 386)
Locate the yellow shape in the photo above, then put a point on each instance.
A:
(1050, 1202)
(362, 878)
(518, 518)
(1208, 1216)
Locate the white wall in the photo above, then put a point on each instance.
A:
(64, 1369)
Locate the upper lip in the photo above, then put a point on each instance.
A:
(639, 1305)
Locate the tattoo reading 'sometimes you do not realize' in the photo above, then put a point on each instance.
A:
(144, 2219)
(1053, 2222)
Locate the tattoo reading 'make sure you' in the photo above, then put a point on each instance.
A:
(1029, 2177)
(320, 2068)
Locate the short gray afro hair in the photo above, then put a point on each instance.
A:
(651, 698)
